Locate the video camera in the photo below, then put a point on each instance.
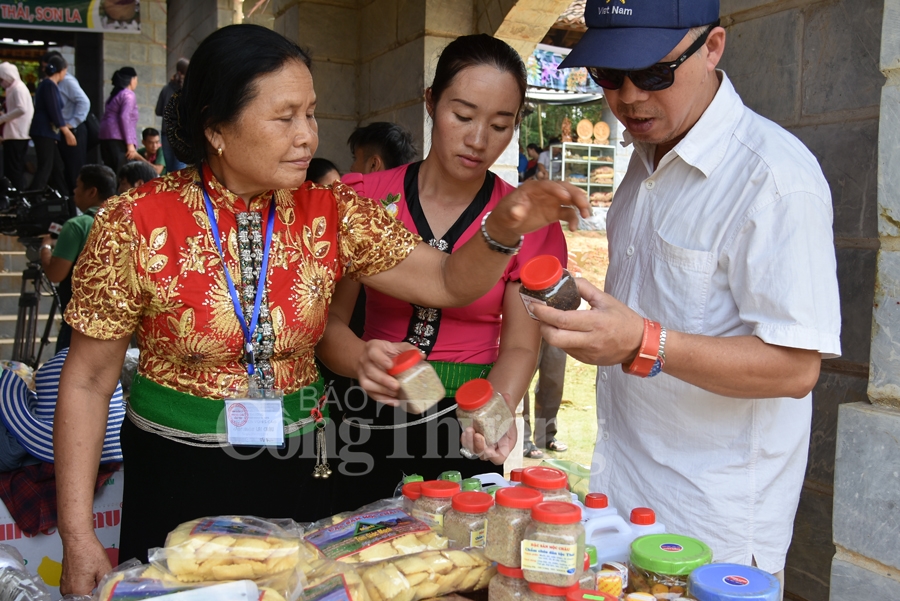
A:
(34, 213)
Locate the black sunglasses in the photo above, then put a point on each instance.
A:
(652, 79)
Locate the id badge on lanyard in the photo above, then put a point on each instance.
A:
(256, 417)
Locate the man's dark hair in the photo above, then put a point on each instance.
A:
(318, 167)
(392, 142)
(149, 132)
(50, 53)
(101, 177)
(137, 170)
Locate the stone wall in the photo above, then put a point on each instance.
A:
(146, 52)
(812, 67)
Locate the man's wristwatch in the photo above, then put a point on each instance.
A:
(648, 352)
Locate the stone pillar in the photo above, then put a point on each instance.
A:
(867, 480)
(189, 23)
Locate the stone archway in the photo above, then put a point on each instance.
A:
(522, 24)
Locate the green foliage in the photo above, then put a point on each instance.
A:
(551, 117)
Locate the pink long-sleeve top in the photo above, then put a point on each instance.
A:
(120, 119)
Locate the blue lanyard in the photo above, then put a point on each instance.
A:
(249, 331)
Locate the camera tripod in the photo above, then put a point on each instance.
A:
(33, 284)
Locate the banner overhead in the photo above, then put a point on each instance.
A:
(114, 16)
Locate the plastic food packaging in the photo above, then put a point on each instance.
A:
(480, 407)
(471, 484)
(16, 583)
(588, 580)
(553, 547)
(508, 585)
(579, 476)
(732, 582)
(377, 531)
(434, 502)
(545, 592)
(507, 522)
(465, 524)
(660, 564)
(612, 535)
(425, 575)
(589, 595)
(227, 548)
(451, 476)
(516, 475)
(596, 505)
(333, 580)
(411, 491)
(612, 579)
(420, 386)
(545, 282)
(551, 482)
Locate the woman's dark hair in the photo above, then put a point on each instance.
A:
(392, 142)
(121, 79)
(473, 51)
(318, 168)
(535, 148)
(55, 64)
(221, 81)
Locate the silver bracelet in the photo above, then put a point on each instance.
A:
(496, 246)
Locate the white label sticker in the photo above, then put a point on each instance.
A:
(254, 422)
(553, 558)
(529, 301)
(435, 520)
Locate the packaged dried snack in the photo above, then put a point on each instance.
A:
(428, 574)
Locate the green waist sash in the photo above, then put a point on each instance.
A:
(454, 375)
(162, 406)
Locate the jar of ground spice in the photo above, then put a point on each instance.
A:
(553, 483)
(546, 592)
(410, 491)
(515, 476)
(480, 407)
(433, 502)
(466, 522)
(553, 547)
(420, 386)
(507, 585)
(507, 522)
(545, 282)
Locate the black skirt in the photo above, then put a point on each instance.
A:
(167, 483)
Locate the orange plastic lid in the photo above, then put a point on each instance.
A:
(553, 591)
(412, 490)
(541, 272)
(439, 489)
(511, 572)
(404, 361)
(546, 478)
(516, 474)
(472, 501)
(474, 394)
(596, 500)
(643, 516)
(556, 512)
(583, 595)
(518, 497)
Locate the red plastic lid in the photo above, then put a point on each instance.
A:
(556, 512)
(412, 490)
(541, 272)
(511, 572)
(472, 501)
(518, 497)
(596, 500)
(584, 595)
(516, 474)
(553, 591)
(439, 489)
(546, 478)
(643, 516)
(405, 360)
(587, 561)
(473, 394)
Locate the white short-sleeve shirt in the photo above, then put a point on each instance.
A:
(729, 236)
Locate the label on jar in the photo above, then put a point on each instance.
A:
(477, 536)
(333, 589)
(553, 558)
(529, 301)
(363, 530)
(434, 520)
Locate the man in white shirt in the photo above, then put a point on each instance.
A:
(721, 286)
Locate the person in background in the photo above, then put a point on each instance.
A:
(151, 151)
(548, 394)
(721, 295)
(94, 184)
(75, 108)
(533, 151)
(48, 126)
(379, 146)
(15, 122)
(475, 103)
(173, 86)
(543, 161)
(134, 174)
(118, 127)
(322, 171)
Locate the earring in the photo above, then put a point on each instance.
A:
(220, 151)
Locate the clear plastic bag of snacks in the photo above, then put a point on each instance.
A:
(271, 553)
(377, 531)
(425, 575)
(334, 580)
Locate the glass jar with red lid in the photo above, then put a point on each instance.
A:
(410, 491)
(545, 282)
(507, 522)
(553, 547)
(553, 483)
(434, 501)
(420, 386)
(480, 407)
(466, 522)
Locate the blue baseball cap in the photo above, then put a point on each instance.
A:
(634, 34)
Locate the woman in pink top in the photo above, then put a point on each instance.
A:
(118, 127)
(476, 104)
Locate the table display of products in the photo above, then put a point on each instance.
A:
(660, 564)
(588, 166)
